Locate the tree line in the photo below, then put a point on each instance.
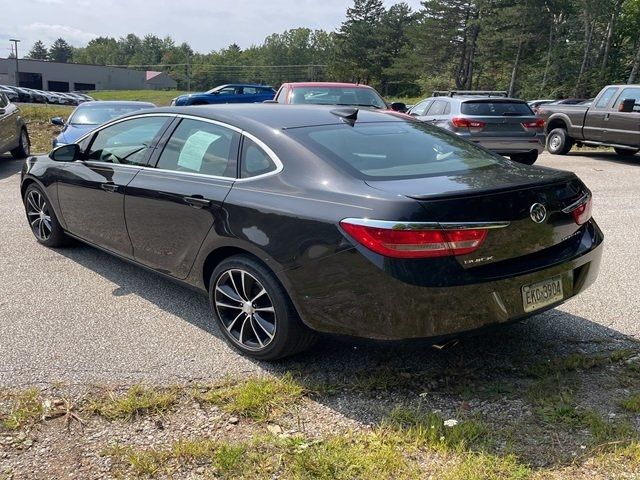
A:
(531, 48)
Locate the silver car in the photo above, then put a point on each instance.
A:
(503, 125)
(13, 131)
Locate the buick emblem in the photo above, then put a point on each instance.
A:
(538, 213)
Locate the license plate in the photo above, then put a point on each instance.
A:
(541, 294)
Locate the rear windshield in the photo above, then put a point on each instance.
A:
(393, 150)
(365, 97)
(96, 114)
(495, 109)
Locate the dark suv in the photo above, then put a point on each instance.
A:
(504, 125)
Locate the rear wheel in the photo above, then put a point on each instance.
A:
(528, 158)
(42, 219)
(559, 142)
(626, 152)
(24, 147)
(254, 311)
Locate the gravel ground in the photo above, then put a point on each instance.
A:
(80, 316)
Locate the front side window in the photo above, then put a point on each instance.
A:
(421, 108)
(201, 147)
(606, 97)
(3, 100)
(437, 108)
(126, 142)
(393, 150)
(254, 160)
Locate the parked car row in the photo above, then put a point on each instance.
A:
(32, 95)
(14, 137)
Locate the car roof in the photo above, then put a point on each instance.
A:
(327, 84)
(258, 116)
(243, 85)
(116, 103)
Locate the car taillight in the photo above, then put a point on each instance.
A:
(582, 213)
(539, 123)
(461, 122)
(413, 243)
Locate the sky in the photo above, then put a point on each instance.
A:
(205, 25)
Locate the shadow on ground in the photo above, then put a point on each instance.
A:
(549, 389)
(9, 166)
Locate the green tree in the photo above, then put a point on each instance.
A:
(60, 51)
(38, 51)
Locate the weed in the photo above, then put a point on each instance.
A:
(258, 398)
(22, 410)
(138, 400)
(482, 466)
(631, 403)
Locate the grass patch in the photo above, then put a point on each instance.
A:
(258, 398)
(44, 112)
(138, 400)
(158, 97)
(482, 466)
(579, 362)
(428, 428)
(21, 410)
(631, 403)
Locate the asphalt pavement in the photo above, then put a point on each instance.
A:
(79, 316)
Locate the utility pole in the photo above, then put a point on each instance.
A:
(188, 72)
(15, 42)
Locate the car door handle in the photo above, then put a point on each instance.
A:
(606, 117)
(197, 201)
(109, 187)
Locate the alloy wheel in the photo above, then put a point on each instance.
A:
(245, 309)
(24, 142)
(38, 215)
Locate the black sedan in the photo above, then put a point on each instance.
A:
(311, 219)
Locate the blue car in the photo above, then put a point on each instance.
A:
(232, 93)
(89, 115)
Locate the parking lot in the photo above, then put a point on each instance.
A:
(79, 316)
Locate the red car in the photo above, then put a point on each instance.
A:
(333, 93)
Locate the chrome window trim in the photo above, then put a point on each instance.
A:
(276, 160)
(583, 199)
(395, 225)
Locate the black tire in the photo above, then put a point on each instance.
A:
(24, 147)
(48, 233)
(559, 142)
(528, 158)
(249, 332)
(626, 152)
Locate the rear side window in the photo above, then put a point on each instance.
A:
(201, 147)
(495, 109)
(254, 160)
(627, 93)
(393, 150)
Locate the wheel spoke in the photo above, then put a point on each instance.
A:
(41, 230)
(265, 309)
(33, 223)
(244, 289)
(235, 287)
(223, 291)
(47, 226)
(226, 305)
(233, 322)
(265, 326)
(32, 201)
(255, 333)
(262, 292)
(244, 324)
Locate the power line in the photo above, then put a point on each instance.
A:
(209, 65)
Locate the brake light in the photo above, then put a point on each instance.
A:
(582, 214)
(461, 122)
(409, 243)
(539, 123)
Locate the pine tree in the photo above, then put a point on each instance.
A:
(60, 51)
(38, 51)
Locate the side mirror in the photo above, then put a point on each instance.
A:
(66, 153)
(399, 107)
(627, 105)
(57, 121)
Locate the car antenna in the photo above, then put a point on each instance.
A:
(348, 115)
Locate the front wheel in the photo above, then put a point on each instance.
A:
(559, 142)
(42, 219)
(528, 158)
(254, 311)
(24, 147)
(626, 152)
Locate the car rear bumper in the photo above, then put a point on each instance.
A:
(347, 294)
(507, 145)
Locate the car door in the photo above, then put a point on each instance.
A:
(91, 191)
(623, 128)
(596, 121)
(171, 207)
(436, 112)
(5, 124)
